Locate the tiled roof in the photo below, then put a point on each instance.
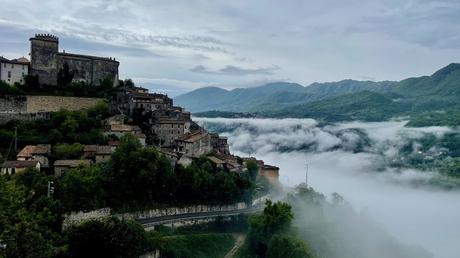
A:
(113, 143)
(72, 163)
(193, 137)
(104, 149)
(30, 150)
(121, 128)
(20, 164)
(90, 148)
(216, 160)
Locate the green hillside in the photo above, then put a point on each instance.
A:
(429, 100)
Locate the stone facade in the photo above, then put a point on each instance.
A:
(46, 62)
(13, 71)
(30, 108)
(55, 103)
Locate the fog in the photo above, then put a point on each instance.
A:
(349, 159)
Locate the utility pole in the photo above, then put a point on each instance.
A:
(50, 188)
(306, 175)
(15, 139)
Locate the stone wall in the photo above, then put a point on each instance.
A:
(54, 103)
(30, 108)
(78, 217)
(13, 104)
(6, 116)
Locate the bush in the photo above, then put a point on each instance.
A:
(109, 237)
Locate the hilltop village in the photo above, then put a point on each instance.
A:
(151, 117)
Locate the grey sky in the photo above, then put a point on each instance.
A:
(176, 46)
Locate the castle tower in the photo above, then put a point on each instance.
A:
(43, 58)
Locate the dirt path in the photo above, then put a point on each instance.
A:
(239, 242)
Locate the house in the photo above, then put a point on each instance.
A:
(97, 153)
(217, 162)
(268, 171)
(195, 144)
(61, 166)
(38, 152)
(17, 166)
(169, 130)
(13, 71)
(103, 153)
(121, 129)
(113, 144)
(219, 143)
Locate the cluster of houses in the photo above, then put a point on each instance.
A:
(168, 128)
(150, 117)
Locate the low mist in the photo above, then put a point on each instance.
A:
(350, 159)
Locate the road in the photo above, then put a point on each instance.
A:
(239, 242)
(148, 222)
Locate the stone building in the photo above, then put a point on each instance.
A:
(13, 71)
(16, 166)
(46, 61)
(61, 166)
(195, 144)
(39, 152)
(168, 130)
(219, 143)
(131, 98)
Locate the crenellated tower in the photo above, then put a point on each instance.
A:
(44, 50)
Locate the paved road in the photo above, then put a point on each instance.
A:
(148, 222)
(239, 242)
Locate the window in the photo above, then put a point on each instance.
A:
(23, 67)
(12, 65)
(9, 74)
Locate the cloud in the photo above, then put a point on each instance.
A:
(235, 71)
(386, 195)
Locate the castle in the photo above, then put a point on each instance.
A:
(46, 61)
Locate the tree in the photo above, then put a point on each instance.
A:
(283, 246)
(81, 189)
(252, 169)
(110, 237)
(65, 76)
(276, 218)
(68, 151)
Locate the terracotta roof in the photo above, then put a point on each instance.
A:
(20, 164)
(30, 150)
(193, 137)
(73, 163)
(104, 149)
(21, 60)
(121, 128)
(113, 143)
(90, 148)
(216, 160)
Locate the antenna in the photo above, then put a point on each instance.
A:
(306, 175)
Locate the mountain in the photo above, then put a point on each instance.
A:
(349, 99)
(272, 96)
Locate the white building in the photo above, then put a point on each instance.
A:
(12, 71)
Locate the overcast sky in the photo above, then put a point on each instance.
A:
(177, 46)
